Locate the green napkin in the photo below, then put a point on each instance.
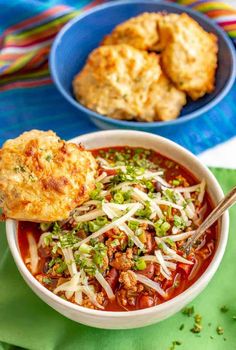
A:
(25, 321)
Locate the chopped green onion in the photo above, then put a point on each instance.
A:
(165, 226)
(86, 265)
(224, 309)
(93, 226)
(51, 263)
(140, 264)
(98, 259)
(149, 185)
(47, 280)
(99, 253)
(170, 242)
(139, 231)
(44, 226)
(56, 228)
(93, 242)
(54, 249)
(144, 213)
(101, 220)
(138, 150)
(174, 343)
(179, 222)
(175, 182)
(127, 195)
(196, 328)
(130, 242)
(170, 195)
(198, 318)
(161, 227)
(115, 242)
(95, 194)
(85, 248)
(61, 268)
(169, 211)
(68, 240)
(220, 330)
(47, 239)
(133, 225)
(188, 311)
(118, 198)
(54, 261)
(197, 324)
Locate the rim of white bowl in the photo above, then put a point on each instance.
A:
(180, 298)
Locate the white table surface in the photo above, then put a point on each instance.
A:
(223, 155)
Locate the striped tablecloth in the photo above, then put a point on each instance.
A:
(28, 99)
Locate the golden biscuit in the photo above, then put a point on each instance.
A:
(43, 178)
(140, 32)
(115, 81)
(165, 100)
(189, 57)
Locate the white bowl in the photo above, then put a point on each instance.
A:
(139, 318)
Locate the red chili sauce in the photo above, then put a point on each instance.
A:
(121, 257)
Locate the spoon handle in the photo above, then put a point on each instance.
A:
(216, 213)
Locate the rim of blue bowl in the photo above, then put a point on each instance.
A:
(136, 124)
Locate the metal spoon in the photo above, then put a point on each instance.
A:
(216, 213)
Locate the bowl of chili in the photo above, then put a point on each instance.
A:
(125, 242)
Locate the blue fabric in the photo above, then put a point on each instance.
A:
(44, 108)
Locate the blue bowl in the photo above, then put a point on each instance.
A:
(84, 33)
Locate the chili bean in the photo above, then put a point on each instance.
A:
(150, 228)
(150, 244)
(45, 267)
(44, 252)
(158, 186)
(112, 278)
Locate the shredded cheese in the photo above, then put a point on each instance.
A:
(111, 225)
(123, 227)
(143, 197)
(105, 285)
(172, 253)
(89, 216)
(161, 203)
(69, 260)
(164, 269)
(33, 251)
(154, 285)
(153, 258)
(70, 286)
(178, 237)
